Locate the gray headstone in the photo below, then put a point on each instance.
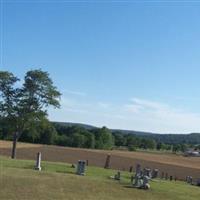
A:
(138, 181)
(146, 182)
(146, 179)
(190, 179)
(81, 167)
(155, 173)
(138, 169)
(38, 161)
(147, 172)
(107, 163)
(198, 182)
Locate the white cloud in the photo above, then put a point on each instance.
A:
(162, 117)
(103, 105)
(138, 114)
(77, 93)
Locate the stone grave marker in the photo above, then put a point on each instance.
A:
(138, 169)
(38, 162)
(147, 172)
(81, 167)
(155, 173)
(198, 182)
(190, 180)
(107, 163)
(146, 183)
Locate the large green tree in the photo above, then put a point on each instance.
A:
(21, 107)
(104, 138)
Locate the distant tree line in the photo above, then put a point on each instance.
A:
(53, 133)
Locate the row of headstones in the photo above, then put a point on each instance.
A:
(191, 181)
(81, 166)
(167, 177)
(140, 176)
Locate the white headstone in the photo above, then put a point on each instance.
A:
(38, 161)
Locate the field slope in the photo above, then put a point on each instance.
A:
(57, 181)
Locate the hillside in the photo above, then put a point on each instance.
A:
(190, 138)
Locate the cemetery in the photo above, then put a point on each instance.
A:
(139, 181)
(81, 179)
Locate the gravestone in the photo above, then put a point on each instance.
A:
(146, 183)
(141, 178)
(190, 180)
(138, 176)
(155, 173)
(171, 178)
(138, 169)
(147, 172)
(198, 182)
(38, 162)
(187, 179)
(81, 167)
(107, 163)
(138, 181)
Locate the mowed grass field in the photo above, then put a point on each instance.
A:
(58, 181)
(174, 165)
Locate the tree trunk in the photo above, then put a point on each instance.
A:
(15, 137)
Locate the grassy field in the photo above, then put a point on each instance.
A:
(174, 165)
(57, 181)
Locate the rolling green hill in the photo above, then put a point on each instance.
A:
(190, 138)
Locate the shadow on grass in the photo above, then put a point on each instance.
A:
(65, 172)
(28, 167)
(129, 186)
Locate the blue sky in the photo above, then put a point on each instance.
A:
(130, 65)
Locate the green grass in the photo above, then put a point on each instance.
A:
(57, 181)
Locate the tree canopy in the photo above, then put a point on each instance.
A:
(21, 107)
